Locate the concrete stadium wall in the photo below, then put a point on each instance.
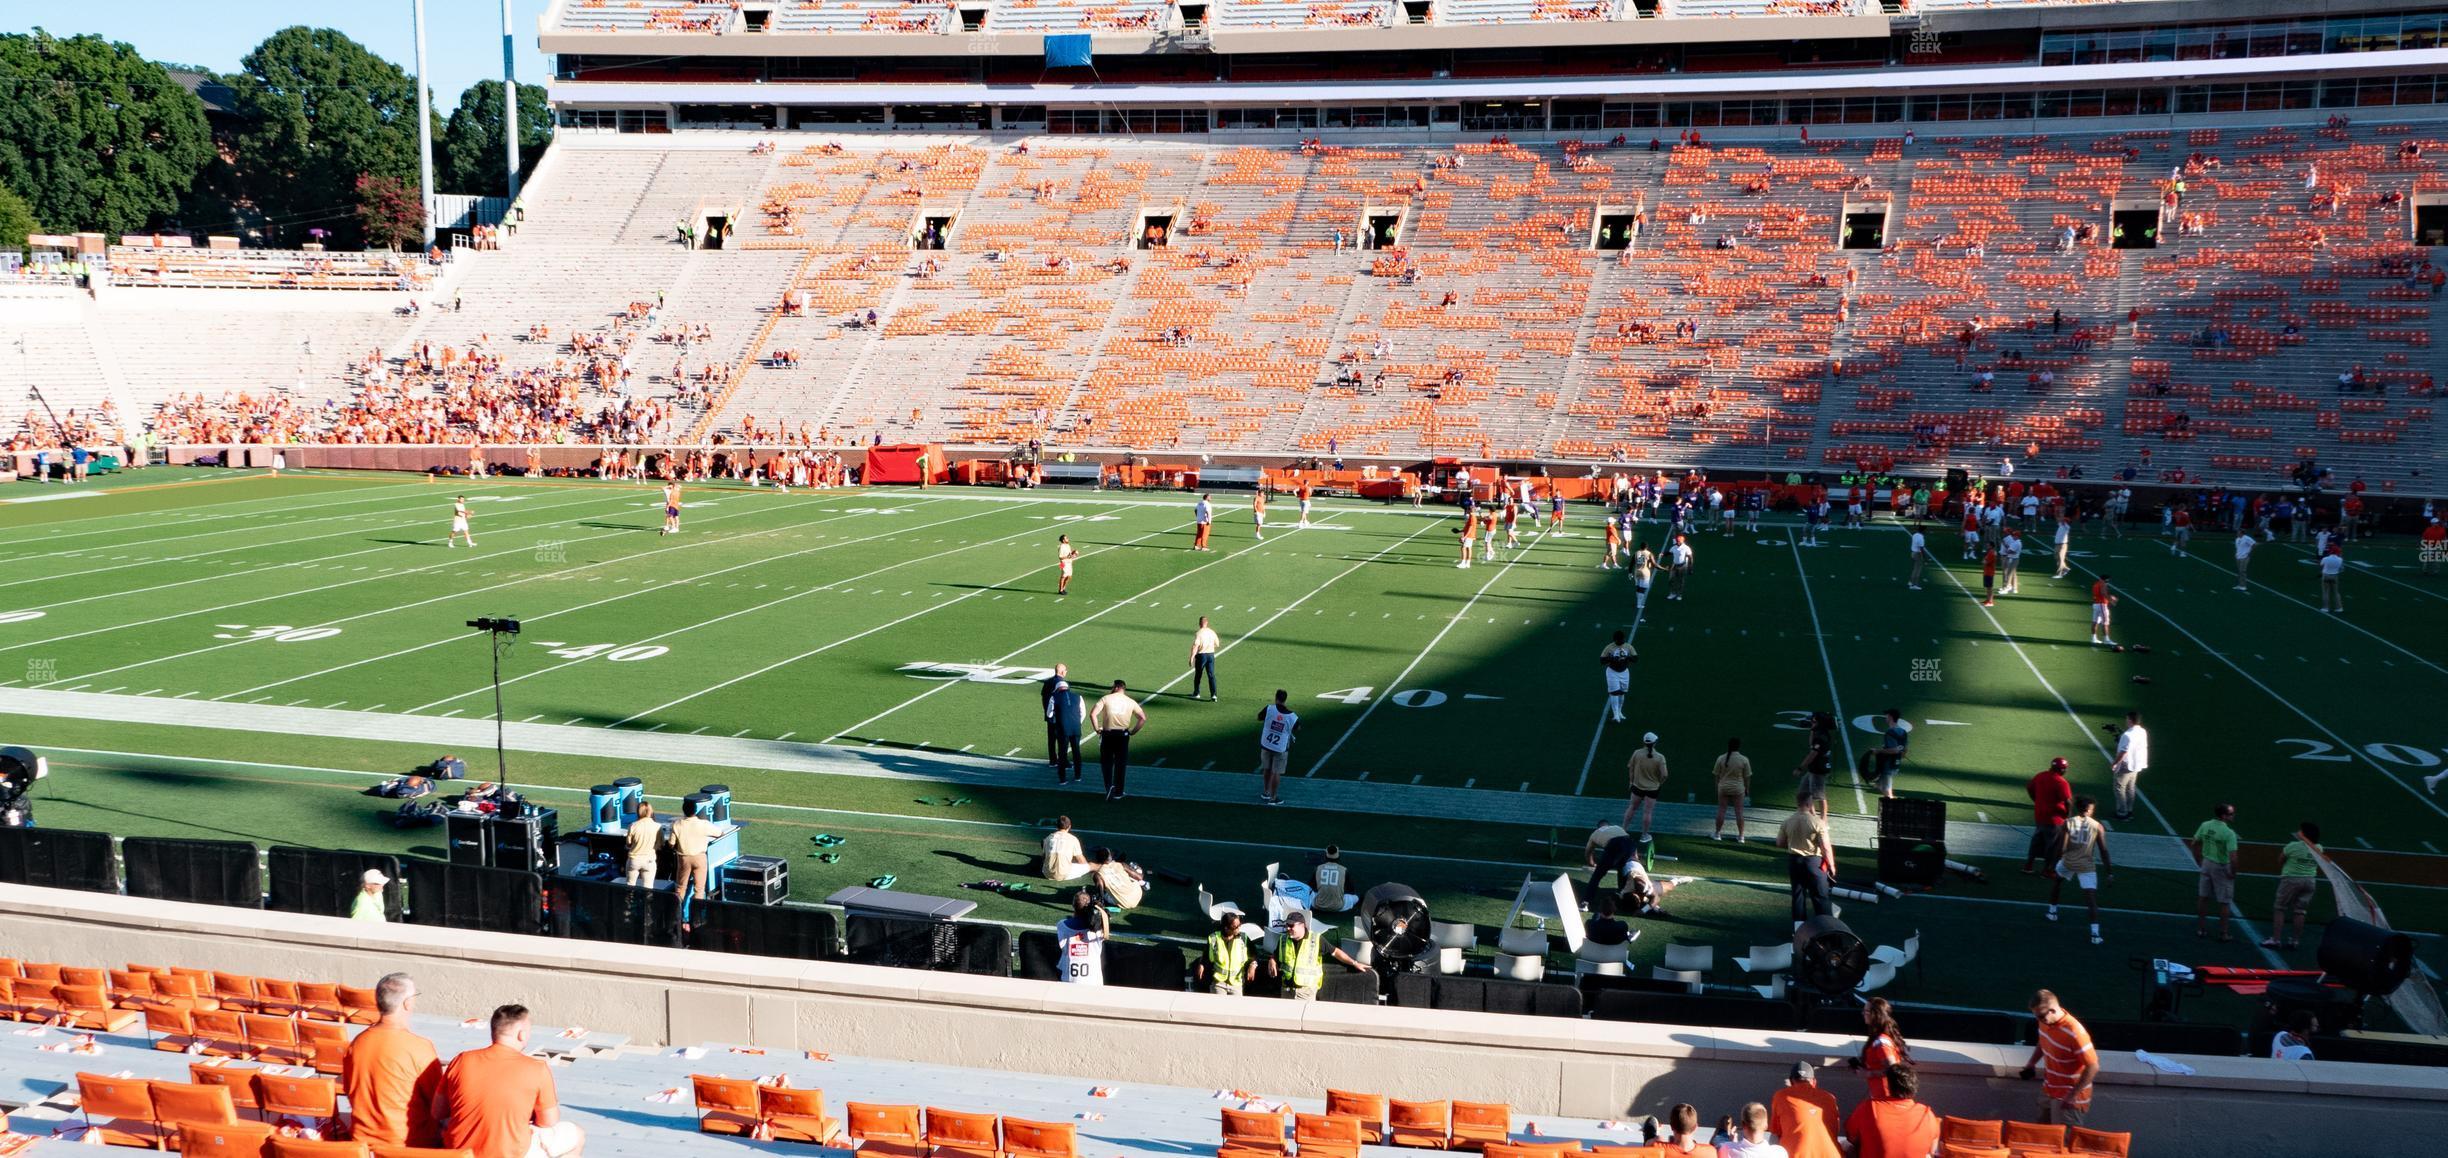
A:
(2231, 1108)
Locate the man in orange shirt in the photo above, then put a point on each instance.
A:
(1894, 1126)
(497, 1102)
(1801, 1085)
(2064, 1061)
(390, 1074)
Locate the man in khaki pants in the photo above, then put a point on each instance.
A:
(644, 835)
(691, 835)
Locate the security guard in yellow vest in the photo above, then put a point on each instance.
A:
(1299, 959)
(1227, 965)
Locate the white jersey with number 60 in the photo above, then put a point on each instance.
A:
(1083, 954)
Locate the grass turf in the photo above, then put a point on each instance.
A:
(919, 619)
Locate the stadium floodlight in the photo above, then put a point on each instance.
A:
(425, 176)
(510, 98)
(502, 630)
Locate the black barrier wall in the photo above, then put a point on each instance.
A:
(324, 883)
(203, 872)
(949, 946)
(607, 911)
(765, 931)
(458, 896)
(59, 858)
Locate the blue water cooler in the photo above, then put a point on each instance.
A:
(632, 794)
(604, 809)
(717, 803)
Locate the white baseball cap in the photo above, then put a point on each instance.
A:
(374, 877)
(1648, 737)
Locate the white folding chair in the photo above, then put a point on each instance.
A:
(1691, 958)
(1690, 979)
(1775, 958)
(1214, 909)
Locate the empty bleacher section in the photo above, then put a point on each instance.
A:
(1078, 15)
(647, 15)
(859, 16)
(1403, 299)
(175, 266)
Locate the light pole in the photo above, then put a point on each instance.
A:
(510, 98)
(425, 174)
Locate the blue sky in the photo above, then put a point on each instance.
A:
(462, 37)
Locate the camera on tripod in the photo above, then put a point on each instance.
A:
(504, 626)
(19, 769)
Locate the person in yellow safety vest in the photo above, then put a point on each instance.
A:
(1227, 965)
(1299, 959)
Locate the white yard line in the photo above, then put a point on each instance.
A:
(405, 606)
(642, 590)
(1844, 723)
(1289, 607)
(317, 560)
(749, 610)
(2371, 572)
(1631, 635)
(153, 519)
(2339, 620)
(2290, 705)
(1077, 623)
(1397, 685)
(163, 522)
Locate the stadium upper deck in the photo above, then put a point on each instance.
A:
(1198, 66)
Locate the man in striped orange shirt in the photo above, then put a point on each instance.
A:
(2064, 1061)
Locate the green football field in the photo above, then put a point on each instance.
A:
(229, 654)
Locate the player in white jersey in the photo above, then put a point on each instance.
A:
(1064, 555)
(1644, 569)
(459, 524)
(2010, 563)
(1616, 660)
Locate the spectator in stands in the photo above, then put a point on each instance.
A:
(1745, 1135)
(1061, 859)
(1802, 1086)
(645, 837)
(497, 1102)
(1300, 958)
(1683, 1126)
(1893, 1126)
(1227, 966)
(2064, 1061)
(367, 905)
(390, 1074)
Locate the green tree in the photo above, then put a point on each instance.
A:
(321, 111)
(16, 221)
(472, 159)
(94, 136)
